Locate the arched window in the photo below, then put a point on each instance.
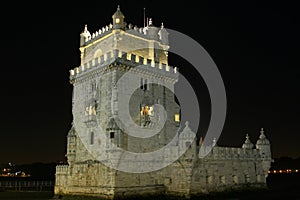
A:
(247, 178)
(97, 53)
(147, 113)
(144, 84)
(209, 180)
(235, 179)
(222, 180)
(92, 138)
(112, 135)
(258, 178)
(93, 86)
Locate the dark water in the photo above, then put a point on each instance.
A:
(280, 186)
(33, 195)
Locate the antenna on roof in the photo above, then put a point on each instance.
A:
(144, 17)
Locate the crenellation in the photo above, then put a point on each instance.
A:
(99, 62)
(157, 33)
(62, 169)
(218, 152)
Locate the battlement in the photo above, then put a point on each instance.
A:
(134, 60)
(220, 153)
(62, 169)
(134, 30)
(98, 34)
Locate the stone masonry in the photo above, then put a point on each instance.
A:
(114, 60)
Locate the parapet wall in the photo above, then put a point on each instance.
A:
(135, 60)
(62, 169)
(222, 153)
(135, 30)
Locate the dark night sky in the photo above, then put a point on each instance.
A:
(254, 45)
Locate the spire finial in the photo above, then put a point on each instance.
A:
(186, 123)
(214, 142)
(144, 17)
(86, 32)
(201, 141)
(162, 25)
(262, 135)
(247, 144)
(150, 22)
(118, 7)
(247, 136)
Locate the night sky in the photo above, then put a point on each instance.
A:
(255, 46)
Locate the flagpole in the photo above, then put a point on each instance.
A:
(144, 17)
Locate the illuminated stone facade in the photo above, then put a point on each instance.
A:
(106, 56)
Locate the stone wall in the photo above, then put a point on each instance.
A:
(224, 168)
(98, 103)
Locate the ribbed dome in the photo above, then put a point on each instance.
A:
(118, 13)
(118, 19)
(248, 144)
(262, 138)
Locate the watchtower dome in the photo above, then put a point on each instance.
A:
(118, 19)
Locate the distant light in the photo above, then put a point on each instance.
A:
(296, 170)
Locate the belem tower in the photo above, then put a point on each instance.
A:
(115, 59)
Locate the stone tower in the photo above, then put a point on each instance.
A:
(123, 101)
(123, 62)
(123, 74)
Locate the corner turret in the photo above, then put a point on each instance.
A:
(71, 147)
(264, 147)
(163, 35)
(263, 144)
(84, 36)
(152, 30)
(187, 139)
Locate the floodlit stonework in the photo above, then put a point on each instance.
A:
(106, 56)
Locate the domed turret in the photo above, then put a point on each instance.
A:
(186, 138)
(263, 144)
(118, 19)
(264, 147)
(71, 147)
(262, 139)
(247, 144)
